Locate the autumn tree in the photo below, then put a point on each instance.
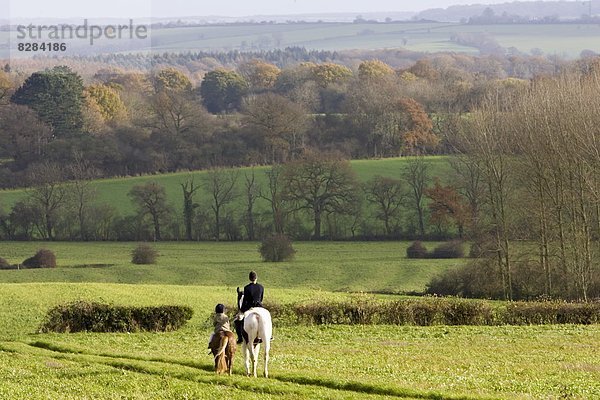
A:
(176, 110)
(281, 124)
(390, 124)
(23, 137)
(446, 207)
(109, 102)
(321, 184)
(6, 87)
(329, 73)
(222, 90)
(260, 75)
(374, 69)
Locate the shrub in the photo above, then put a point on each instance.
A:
(277, 248)
(144, 254)
(85, 316)
(4, 264)
(416, 250)
(453, 249)
(42, 259)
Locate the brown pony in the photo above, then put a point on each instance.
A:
(223, 347)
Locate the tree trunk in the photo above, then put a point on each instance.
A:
(156, 227)
(317, 225)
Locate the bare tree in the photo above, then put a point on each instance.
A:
(48, 193)
(151, 199)
(388, 197)
(417, 177)
(252, 191)
(221, 186)
(320, 184)
(274, 195)
(82, 190)
(189, 189)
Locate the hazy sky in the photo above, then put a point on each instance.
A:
(234, 8)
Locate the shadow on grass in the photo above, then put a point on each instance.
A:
(123, 361)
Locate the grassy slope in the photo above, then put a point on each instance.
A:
(329, 362)
(324, 266)
(114, 191)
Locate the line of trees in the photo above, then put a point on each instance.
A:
(536, 158)
(316, 196)
(128, 123)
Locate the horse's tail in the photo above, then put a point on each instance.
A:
(220, 359)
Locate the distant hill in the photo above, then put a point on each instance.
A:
(564, 10)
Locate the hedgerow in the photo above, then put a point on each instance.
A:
(83, 316)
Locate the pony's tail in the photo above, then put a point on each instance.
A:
(220, 358)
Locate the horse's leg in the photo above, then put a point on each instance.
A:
(255, 353)
(246, 358)
(267, 348)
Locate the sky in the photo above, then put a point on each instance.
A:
(231, 8)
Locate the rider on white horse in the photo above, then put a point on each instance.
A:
(253, 297)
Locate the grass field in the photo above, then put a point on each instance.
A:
(307, 362)
(326, 266)
(561, 39)
(114, 191)
(568, 40)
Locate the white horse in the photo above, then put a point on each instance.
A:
(257, 325)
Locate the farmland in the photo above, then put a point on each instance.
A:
(333, 362)
(429, 37)
(568, 40)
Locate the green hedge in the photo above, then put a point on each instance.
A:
(85, 316)
(435, 311)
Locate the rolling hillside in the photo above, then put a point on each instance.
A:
(114, 191)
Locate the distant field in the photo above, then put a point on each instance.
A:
(114, 191)
(327, 266)
(565, 40)
(561, 39)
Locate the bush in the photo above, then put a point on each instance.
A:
(477, 279)
(416, 250)
(85, 316)
(6, 265)
(428, 311)
(453, 249)
(42, 259)
(143, 255)
(277, 248)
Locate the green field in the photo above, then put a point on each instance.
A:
(560, 39)
(556, 39)
(326, 266)
(307, 362)
(114, 191)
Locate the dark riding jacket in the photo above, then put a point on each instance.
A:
(253, 296)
